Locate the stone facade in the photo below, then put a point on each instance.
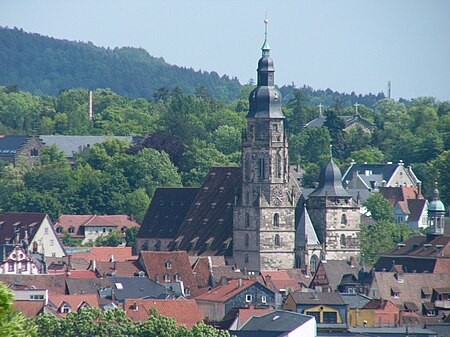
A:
(337, 224)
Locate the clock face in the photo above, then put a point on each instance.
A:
(278, 197)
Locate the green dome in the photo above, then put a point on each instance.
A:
(436, 206)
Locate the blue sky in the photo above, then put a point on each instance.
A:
(345, 45)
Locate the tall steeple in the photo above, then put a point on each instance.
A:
(265, 99)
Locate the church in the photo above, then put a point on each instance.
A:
(255, 215)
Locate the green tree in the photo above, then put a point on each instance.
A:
(130, 236)
(13, 323)
(379, 207)
(111, 239)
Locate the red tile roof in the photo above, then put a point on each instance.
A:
(77, 222)
(185, 312)
(280, 280)
(102, 254)
(223, 293)
(396, 194)
(82, 274)
(29, 308)
(126, 268)
(154, 264)
(74, 301)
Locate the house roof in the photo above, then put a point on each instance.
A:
(223, 293)
(24, 222)
(316, 298)
(416, 207)
(377, 304)
(81, 274)
(208, 226)
(75, 144)
(29, 308)
(420, 253)
(87, 286)
(280, 280)
(102, 254)
(137, 287)
(166, 212)
(154, 264)
(74, 301)
(354, 300)
(335, 270)
(11, 144)
(119, 221)
(279, 320)
(245, 314)
(54, 283)
(125, 268)
(408, 286)
(185, 312)
(402, 193)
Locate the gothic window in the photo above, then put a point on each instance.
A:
(247, 220)
(343, 241)
(261, 168)
(277, 241)
(313, 264)
(246, 240)
(278, 166)
(343, 219)
(276, 220)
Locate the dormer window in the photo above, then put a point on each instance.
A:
(168, 265)
(166, 278)
(177, 277)
(395, 292)
(187, 291)
(65, 308)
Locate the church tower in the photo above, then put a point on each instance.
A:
(264, 217)
(335, 216)
(436, 214)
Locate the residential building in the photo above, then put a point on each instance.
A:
(90, 227)
(20, 149)
(19, 262)
(350, 121)
(61, 305)
(218, 301)
(33, 230)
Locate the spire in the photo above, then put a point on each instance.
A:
(265, 47)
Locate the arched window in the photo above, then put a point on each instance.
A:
(313, 264)
(246, 240)
(276, 220)
(261, 168)
(168, 265)
(277, 241)
(166, 278)
(247, 220)
(278, 167)
(343, 219)
(343, 241)
(177, 277)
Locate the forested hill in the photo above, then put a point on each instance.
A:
(44, 65)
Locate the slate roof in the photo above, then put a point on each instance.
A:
(166, 212)
(56, 284)
(103, 254)
(11, 144)
(154, 263)
(185, 312)
(208, 226)
(330, 182)
(137, 287)
(87, 286)
(75, 144)
(78, 222)
(354, 300)
(305, 231)
(243, 315)
(316, 298)
(223, 293)
(279, 320)
(23, 222)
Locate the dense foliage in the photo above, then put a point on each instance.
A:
(44, 65)
(92, 322)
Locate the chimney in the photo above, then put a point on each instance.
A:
(419, 187)
(92, 265)
(115, 265)
(135, 306)
(353, 261)
(69, 263)
(268, 281)
(91, 113)
(239, 282)
(223, 280)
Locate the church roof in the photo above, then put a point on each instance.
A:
(207, 228)
(306, 235)
(330, 182)
(265, 102)
(166, 212)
